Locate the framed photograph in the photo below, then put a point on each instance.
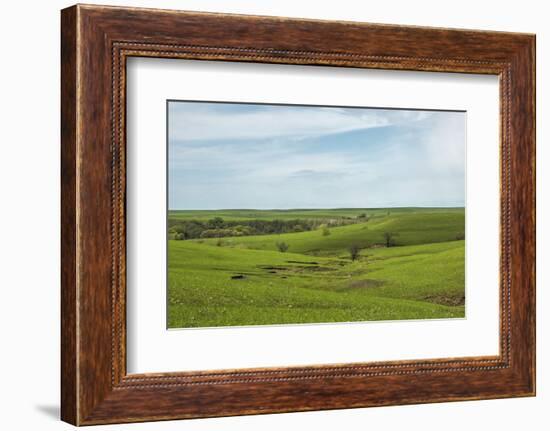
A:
(289, 214)
(263, 214)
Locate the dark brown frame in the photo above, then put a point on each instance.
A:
(96, 41)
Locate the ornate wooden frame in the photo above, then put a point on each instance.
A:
(96, 41)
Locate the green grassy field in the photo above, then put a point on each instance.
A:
(246, 280)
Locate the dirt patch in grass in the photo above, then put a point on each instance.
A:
(364, 284)
(301, 268)
(377, 246)
(273, 268)
(450, 300)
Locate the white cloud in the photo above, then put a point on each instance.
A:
(277, 158)
(445, 143)
(198, 121)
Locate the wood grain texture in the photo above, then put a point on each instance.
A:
(69, 366)
(96, 41)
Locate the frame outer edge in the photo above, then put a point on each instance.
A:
(88, 397)
(523, 213)
(532, 79)
(531, 63)
(69, 201)
(533, 53)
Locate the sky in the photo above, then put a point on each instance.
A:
(239, 156)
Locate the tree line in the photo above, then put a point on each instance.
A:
(217, 227)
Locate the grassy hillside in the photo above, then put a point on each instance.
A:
(246, 281)
(411, 228)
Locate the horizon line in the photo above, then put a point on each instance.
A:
(314, 208)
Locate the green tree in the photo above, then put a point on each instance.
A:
(215, 223)
(282, 246)
(389, 238)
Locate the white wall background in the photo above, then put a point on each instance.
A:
(29, 224)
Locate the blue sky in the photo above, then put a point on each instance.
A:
(225, 156)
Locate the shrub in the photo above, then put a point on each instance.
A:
(282, 246)
(363, 216)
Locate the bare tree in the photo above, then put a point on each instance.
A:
(354, 251)
(389, 238)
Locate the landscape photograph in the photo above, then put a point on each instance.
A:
(297, 214)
